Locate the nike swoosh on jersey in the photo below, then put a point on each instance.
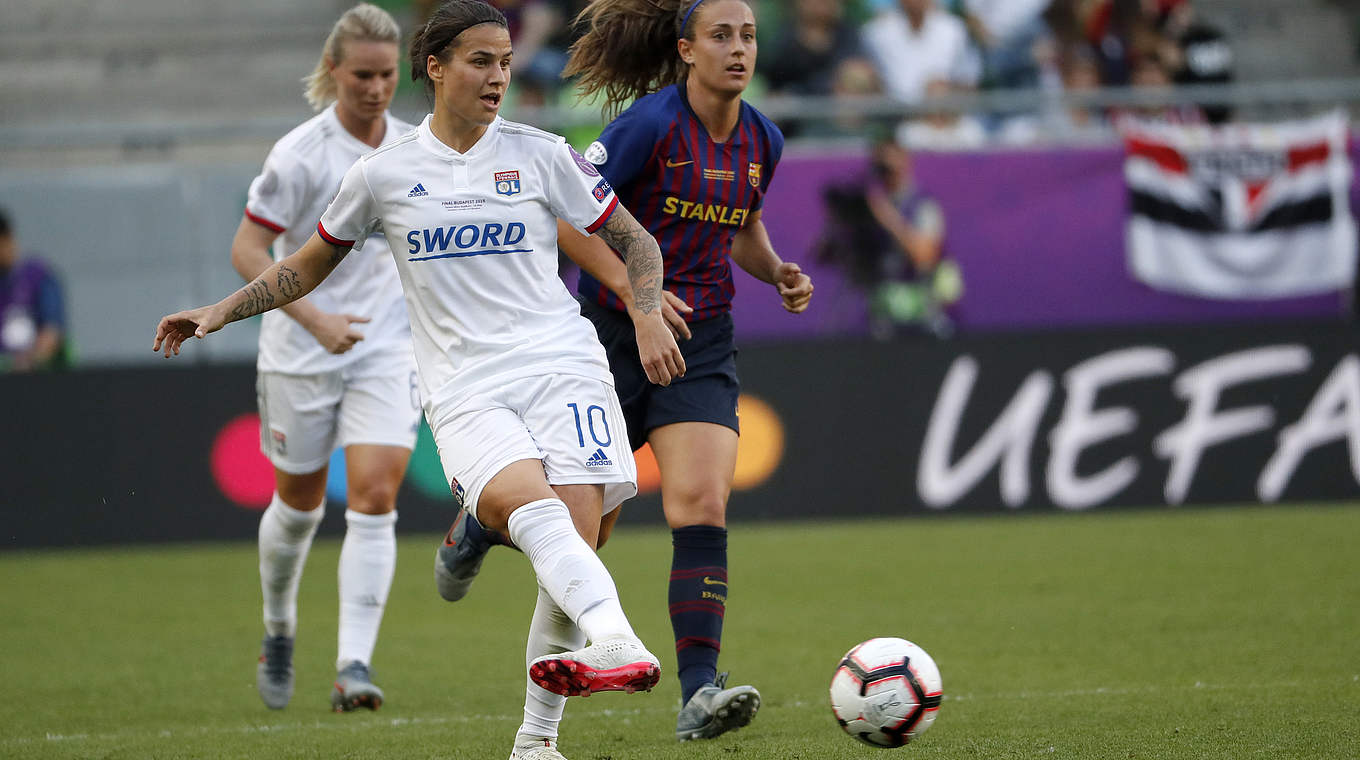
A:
(676, 164)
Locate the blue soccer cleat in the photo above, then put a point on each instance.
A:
(354, 689)
(274, 674)
(458, 561)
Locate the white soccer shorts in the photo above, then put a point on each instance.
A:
(303, 418)
(572, 423)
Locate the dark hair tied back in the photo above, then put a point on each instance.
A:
(446, 23)
(628, 47)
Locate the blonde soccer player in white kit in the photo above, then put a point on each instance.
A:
(335, 369)
(514, 382)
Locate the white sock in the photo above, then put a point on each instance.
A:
(550, 632)
(568, 569)
(285, 537)
(368, 559)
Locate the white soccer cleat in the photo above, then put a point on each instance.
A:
(616, 664)
(535, 748)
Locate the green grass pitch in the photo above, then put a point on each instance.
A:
(1226, 633)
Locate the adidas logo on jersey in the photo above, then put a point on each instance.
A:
(598, 459)
(417, 192)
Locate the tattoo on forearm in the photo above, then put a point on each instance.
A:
(642, 257)
(289, 287)
(258, 299)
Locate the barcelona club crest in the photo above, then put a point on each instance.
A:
(507, 183)
(753, 174)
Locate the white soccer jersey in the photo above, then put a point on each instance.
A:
(474, 236)
(300, 177)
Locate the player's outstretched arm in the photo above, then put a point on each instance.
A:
(753, 252)
(281, 284)
(594, 258)
(661, 358)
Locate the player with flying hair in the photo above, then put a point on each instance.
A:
(695, 162)
(335, 368)
(514, 382)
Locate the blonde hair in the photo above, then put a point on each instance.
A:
(364, 22)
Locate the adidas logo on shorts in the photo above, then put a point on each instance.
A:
(598, 459)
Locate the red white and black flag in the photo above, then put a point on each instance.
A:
(1240, 211)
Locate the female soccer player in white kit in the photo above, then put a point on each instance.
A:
(323, 382)
(514, 382)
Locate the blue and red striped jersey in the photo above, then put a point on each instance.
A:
(691, 193)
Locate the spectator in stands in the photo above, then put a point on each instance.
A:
(540, 33)
(1081, 74)
(942, 128)
(1064, 19)
(1059, 121)
(805, 56)
(853, 78)
(1154, 43)
(889, 236)
(916, 42)
(1153, 71)
(32, 313)
(1126, 32)
(1007, 31)
(1205, 56)
(541, 39)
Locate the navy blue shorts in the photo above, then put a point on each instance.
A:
(707, 393)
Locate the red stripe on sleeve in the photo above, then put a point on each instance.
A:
(608, 212)
(265, 223)
(1163, 155)
(329, 238)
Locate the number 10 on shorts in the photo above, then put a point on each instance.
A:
(594, 416)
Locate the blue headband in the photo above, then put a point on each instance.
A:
(685, 23)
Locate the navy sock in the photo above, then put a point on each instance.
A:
(478, 534)
(698, 600)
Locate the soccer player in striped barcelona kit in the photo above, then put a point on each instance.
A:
(514, 382)
(694, 161)
(335, 369)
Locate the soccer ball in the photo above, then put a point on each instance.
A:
(886, 692)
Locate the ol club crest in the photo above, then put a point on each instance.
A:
(507, 183)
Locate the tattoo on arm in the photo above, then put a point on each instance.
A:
(258, 299)
(288, 283)
(641, 255)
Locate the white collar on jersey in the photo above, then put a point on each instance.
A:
(390, 132)
(436, 146)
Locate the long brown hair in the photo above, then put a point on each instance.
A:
(446, 23)
(628, 48)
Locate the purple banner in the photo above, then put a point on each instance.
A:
(1038, 236)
